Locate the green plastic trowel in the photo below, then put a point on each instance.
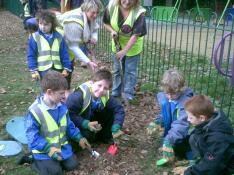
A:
(161, 162)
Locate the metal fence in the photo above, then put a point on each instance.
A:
(186, 42)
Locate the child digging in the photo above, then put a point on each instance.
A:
(98, 115)
(172, 117)
(48, 128)
(212, 140)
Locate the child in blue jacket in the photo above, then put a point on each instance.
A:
(49, 128)
(47, 49)
(173, 117)
(98, 115)
(212, 140)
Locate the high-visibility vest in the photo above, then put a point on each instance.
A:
(55, 134)
(72, 16)
(86, 89)
(26, 10)
(124, 38)
(48, 56)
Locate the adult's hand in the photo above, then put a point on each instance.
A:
(92, 65)
(121, 54)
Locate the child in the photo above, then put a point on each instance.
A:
(29, 21)
(48, 128)
(173, 117)
(47, 49)
(212, 140)
(94, 111)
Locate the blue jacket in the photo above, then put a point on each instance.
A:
(33, 51)
(212, 144)
(174, 119)
(75, 103)
(38, 142)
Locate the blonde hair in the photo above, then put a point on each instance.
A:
(135, 4)
(172, 81)
(88, 5)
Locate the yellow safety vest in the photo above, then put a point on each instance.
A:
(55, 134)
(72, 16)
(26, 10)
(48, 56)
(124, 38)
(86, 89)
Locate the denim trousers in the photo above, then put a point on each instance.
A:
(128, 82)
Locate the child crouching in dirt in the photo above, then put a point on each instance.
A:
(91, 107)
(47, 49)
(173, 117)
(48, 128)
(212, 140)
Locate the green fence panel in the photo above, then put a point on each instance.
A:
(14, 6)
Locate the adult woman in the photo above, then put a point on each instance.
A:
(80, 29)
(125, 19)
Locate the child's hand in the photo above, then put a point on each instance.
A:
(84, 143)
(168, 152)
(94, 126)
(179, 170)
(117, 134)
(55, 153)
(35, 75)
(152, 128)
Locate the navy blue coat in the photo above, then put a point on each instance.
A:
(75, 104)
(212, 143)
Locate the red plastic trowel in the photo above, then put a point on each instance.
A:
(113, 149)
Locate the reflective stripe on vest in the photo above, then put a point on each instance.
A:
(54, 134)
(61, 32)
(48, 56)
(26, 10)
(74, 16)
(86, 89)
(124, 38)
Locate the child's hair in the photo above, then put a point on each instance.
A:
(53, 80)
(88, 5)
(200, 105)
(103, 74)
(48, 17)
(173, 81)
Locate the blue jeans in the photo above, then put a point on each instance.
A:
(129, 78)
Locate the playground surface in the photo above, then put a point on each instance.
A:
(187, 35)
(137, 152)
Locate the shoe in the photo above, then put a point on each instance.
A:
(27, 158)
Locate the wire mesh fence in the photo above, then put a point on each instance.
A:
(187, 42)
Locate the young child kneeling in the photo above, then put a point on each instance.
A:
(212, 140)
(98, 115)
(48, 128)
(173, 117)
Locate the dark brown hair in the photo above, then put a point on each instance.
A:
(53, 80)
(103, 74)
(200, 105)
(48, 17)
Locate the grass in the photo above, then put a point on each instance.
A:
(20, 93)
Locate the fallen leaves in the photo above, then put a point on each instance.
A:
(3, 91)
